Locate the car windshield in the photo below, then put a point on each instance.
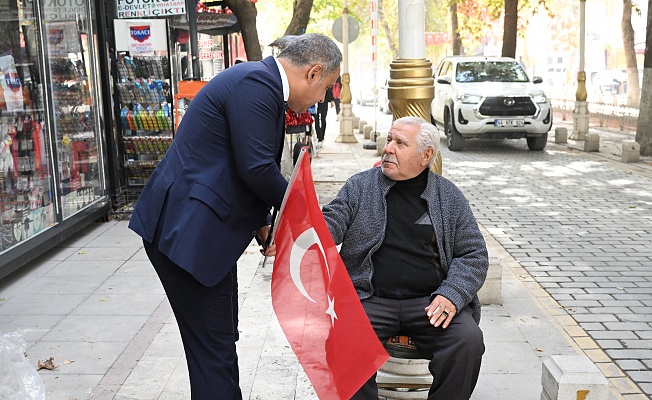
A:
(490, 71)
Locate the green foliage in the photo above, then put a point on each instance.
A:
(477, 18)
(276, 15)
(273, 17)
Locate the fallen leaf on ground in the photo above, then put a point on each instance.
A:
(47, 364)
(539, 349)
(66, 362)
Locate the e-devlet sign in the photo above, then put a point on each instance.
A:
(63, 10)
(149, 8)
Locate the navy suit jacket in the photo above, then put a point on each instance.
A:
(216, 182)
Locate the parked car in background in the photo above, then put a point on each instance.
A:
(365, 94)
(490, 98)
(610, 81)
(383, 99)
(557, 75)
(613, 81)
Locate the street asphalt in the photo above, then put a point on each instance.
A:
(572, 230)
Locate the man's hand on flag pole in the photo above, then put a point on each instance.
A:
(269, 251)
(262, 238)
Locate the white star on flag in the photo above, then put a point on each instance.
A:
(331, 310)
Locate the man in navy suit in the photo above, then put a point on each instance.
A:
(211, 194)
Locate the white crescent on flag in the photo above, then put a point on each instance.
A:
(305, 240)
(301, 245)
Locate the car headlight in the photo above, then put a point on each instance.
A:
(540, 98)
(468, 98)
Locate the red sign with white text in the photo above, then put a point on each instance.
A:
(433, 38)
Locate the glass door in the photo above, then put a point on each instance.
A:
(26, 182)
(78, 147)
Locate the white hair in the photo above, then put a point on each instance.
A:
(427, 136)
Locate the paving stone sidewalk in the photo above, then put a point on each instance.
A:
(95, 304)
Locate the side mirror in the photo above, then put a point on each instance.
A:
(537, 79)
(444, 80)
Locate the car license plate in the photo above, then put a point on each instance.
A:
(509, 123)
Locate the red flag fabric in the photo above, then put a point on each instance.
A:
(314, 299)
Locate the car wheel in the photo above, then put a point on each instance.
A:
(537, 143)
(454, 139)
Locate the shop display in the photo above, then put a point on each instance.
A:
(51, 149)
(75, 111)
(146, 126)
(187, 91)
(25, 179)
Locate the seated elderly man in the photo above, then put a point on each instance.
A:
(416, 257)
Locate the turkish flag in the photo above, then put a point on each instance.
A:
(314, 299)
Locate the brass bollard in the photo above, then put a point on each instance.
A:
(410, 92)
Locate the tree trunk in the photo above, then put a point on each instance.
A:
(633, 91)
(246, 13)
(510, 28)
(389, 36)
(644, 127)
(458, 49)
(300, 17)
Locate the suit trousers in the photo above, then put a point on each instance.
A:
(208, 322)
(320, 121)
(455, 353)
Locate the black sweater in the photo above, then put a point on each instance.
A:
(407, 264)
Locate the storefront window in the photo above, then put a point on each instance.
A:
(26, 204)
(51, 163)
(79, 164)
(211, 55)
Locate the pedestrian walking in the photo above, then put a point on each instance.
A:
(322, 112)
(210, 196)
(337, 90)
(312, 110)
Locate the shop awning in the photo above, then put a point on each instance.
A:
(212, 23)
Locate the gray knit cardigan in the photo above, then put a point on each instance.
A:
(357, 218)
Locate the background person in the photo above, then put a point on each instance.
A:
(337, 90)
(416, 258)
(322, 112)
(210, 195)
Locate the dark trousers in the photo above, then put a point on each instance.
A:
(208, 322)
(337, 106)
(314, 117)
(455, 352)
(320, 121)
